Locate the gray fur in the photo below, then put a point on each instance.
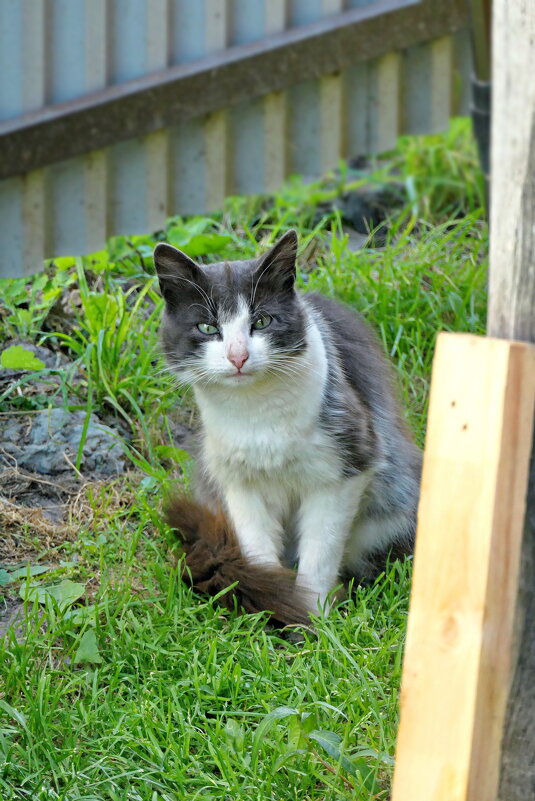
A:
(359, 409)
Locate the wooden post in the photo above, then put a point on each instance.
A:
(480, 28)
(512, 315)
(461, 620)
(467, 729)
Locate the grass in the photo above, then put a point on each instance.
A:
(124, 685)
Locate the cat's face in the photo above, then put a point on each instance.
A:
(231, 323)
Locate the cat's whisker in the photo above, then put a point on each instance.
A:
(176, 277)
(204, 308)
(290, 369)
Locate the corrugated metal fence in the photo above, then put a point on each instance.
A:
(115, 114)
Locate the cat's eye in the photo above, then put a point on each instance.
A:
(262, 322)
(206, 328)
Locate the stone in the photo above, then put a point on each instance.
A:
(45, 442)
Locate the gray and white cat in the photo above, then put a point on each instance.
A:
(302, 442)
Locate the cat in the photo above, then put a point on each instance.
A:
(303, 448)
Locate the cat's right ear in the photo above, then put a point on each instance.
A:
(277, 266)
(177, 273)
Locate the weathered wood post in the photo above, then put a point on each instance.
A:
(467, 729)
(512, 315)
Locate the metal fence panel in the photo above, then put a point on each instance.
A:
(52, 51)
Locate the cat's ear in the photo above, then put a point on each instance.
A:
(277, 266)
(177, 273)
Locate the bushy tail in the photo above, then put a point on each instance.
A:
(214, 561)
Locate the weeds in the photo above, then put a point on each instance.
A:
(117, 682)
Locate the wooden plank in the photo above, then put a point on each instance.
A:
(462, 66)
(481, 20)
(304, 129)
(441, 84)
(216, 164)
(512, 247)
(332, 107)
(384, 112)
(275, 141)
(96, 200)
(275, 111)
(416, 89)
(247, 71)
(216, 160)
(332, 6)
(332, 121)
(96, 163)
(511, 314)
(187, 164)
(156, 144)
(34, 219)
(275, 16)
(461, 620)
(356, 95)
(246, 121)
(75, 63)
(157, 179)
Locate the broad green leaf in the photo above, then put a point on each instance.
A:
(296, 738)
(309, 721)
(380, 756)
(88, 649)
(198, 244)
(63, 262)
(325, 705)
(288, 756)
(14, 713)
(65, 593)
(82, 615)
(18, 358)
(330, 742)
(267, 723)
(5, 577)
(170, 452)
(235, 735)
(29, 570)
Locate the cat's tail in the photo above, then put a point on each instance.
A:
(214, 561)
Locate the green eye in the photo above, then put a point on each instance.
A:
(206, 328)
(262, 322)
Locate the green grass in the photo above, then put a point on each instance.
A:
(147, 691)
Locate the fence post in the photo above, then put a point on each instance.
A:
(512, 315)
(468, 693)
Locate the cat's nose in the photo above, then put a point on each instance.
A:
(238, 358)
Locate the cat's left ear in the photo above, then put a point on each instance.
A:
(178, 275)
(277, 266)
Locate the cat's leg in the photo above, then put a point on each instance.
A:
(371, 542)
(258, 529)
(386, 525)
(325, 520)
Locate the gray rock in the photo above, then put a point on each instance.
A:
(45, 443)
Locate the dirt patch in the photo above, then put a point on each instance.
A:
(26, 532)
(20, 488)
(11, 614)
(38, 515)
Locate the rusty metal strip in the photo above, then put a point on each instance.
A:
(179, 93)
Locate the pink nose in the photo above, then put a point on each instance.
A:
(238, 359)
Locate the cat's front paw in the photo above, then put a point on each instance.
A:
(317, 602)
(320, 602)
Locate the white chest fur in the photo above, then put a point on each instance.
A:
(269, 431)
